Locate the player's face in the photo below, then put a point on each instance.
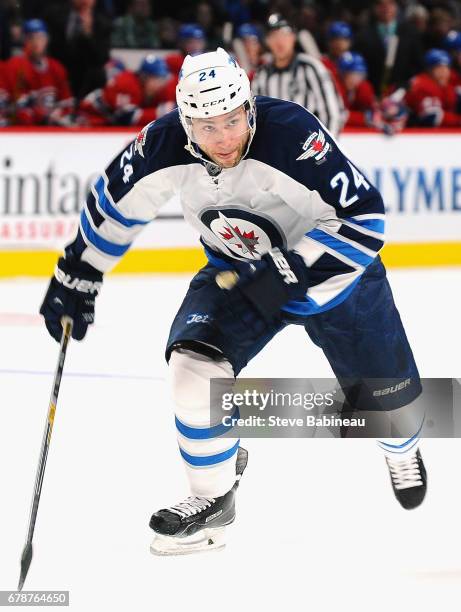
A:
(252, 48)
(36, 44)
(386, 10)
(441, 74)
(223, 138)
(152, 85)
(192, 46)
(281, 43)
(338, 46)
(352, 80)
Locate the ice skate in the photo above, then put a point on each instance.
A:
(409, 480)
(198, 523)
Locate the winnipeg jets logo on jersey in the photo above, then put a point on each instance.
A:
(246, 241)
(245, 234)
(315, 146)
(141, 139)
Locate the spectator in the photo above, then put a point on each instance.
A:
(4, 98)
(297, 76)
(248, 48)
(392, 49)
(357, 93)
(191, 40)
(339, 40)
(38, 83)
(5, 34)
(132, 98)
(453, 46)
(418, 16)
(238, 11)
(441, 21)
(135, 30)
(80, 39)
(167, 33)
(431, 98)
(207, 18)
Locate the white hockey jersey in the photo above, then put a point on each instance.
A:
(294, 189)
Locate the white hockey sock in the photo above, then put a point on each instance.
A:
(209, 458)
(399, 449)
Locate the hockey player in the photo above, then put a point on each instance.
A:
(4, 99)
(431, 97)
(248, 48)
(339, 41)
(191, 41)
(453, 46)
(131, 98)
(358, 95)
(38, 83)
(278, 204)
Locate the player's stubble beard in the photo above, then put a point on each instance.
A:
(232, 162)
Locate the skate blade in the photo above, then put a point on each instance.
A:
(202, 541)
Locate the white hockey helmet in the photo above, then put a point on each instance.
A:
(212, 84)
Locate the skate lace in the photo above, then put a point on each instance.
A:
(191, 506)
(405, 473)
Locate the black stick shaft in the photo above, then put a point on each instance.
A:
(27, 558)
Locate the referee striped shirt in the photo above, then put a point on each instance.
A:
(305, 81)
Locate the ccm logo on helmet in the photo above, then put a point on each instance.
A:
(213, 103)
(283, 266)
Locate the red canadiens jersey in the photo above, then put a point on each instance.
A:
(40, 90)
(332, 68)
(174, 62)
(122, 102)
(432, 104)
(4, 98)
(358, 102)
(455, 78)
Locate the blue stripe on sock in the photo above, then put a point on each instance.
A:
(400, 452)
(205, 433)
(209, 459)
(107, 207)
(391, 446)
(110, 248)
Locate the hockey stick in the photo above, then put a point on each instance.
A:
(26, 557)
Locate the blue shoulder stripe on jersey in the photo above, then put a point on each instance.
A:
(376, 225)
(341, 247)
(204, 460)
(310, 306)
(110, 248)
(369, 242)
(205, 433)
(110, 210)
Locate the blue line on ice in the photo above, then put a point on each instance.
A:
(82, 374)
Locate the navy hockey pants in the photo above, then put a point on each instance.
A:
(363, 337)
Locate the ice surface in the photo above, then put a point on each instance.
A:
(113, 461)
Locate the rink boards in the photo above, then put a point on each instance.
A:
(45, 175)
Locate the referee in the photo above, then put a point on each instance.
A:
(298, 77)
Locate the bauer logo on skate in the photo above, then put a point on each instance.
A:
(243, 233)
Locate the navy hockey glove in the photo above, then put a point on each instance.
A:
(264, 286)
(71, 292)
